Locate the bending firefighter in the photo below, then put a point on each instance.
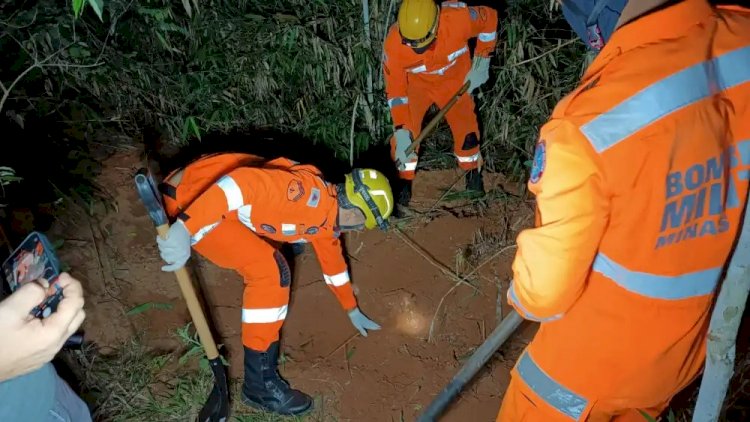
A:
(426, 61)
(236, 210)
(641, 178)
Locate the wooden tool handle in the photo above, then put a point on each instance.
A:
(438, 117)
(194, 307)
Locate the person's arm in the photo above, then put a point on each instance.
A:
(335, 272)
(394, 76)
(554, 258)
(27, 343)
(483, 27)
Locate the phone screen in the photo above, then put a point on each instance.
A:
(35, 261)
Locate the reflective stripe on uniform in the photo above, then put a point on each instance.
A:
(417, 69)
(231, 191)
(667, 96)
(469, 159)
(525, 313)
(454, 4)
(264, 315)
(549, 390)
(244, 214)
(458, 53)
(393, 102)
(451, 59)
(487, 36)
(442, 70)
(698, 283)
(201, 233)
(411, 166)
(337, 280)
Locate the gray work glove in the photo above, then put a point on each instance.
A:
(175, 249)
(479, 73)
(403, 140)
(361, 322)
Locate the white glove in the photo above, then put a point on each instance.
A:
(479, 73)
(175, 249)
(361, 322)
(403, 140)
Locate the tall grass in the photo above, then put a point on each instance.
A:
(288, 65)
(134, 383)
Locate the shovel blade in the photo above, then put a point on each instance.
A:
(216, 408)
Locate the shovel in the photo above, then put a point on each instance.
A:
(435, 120)
(216, 408)
(472, 366)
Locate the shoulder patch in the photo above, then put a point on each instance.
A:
(539, 161)
(473, 13)
(295, 190)
(314, 198)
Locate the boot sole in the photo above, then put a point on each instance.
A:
(259, 406)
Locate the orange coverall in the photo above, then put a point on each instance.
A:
(414, 81)
(239, 208)
(641, 177)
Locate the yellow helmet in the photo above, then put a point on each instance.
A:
(417, 22)
(370, 191)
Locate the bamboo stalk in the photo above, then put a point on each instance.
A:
(368, 43)
(351, 132)
(722, 331)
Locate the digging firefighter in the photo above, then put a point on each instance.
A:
(426, 61)
(232, 208)
(640, 177)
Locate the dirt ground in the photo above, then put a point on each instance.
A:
(390, 375)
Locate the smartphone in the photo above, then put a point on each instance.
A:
(35, 261)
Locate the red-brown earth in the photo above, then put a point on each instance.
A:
(390, 375)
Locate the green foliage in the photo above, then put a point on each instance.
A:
(539, 61)
(143, 307)
(290, 65)
(96, 5)
(7, 176)
(134, 383)
(194, 347)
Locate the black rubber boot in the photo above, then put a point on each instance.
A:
(265, 389)
(475, 181)
(403, 198)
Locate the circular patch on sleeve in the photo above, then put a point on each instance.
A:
(540, 158)
(312, 230)
(268, 228)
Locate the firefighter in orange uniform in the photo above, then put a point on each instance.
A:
(233, 208)
(427, 60)
(641, 177)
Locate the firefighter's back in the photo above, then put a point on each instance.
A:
(668, 119)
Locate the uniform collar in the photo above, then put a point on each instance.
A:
(669, 22)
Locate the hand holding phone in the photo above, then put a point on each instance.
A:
(26, 342)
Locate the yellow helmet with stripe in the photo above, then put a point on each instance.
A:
(417, 22)
(370, 191)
